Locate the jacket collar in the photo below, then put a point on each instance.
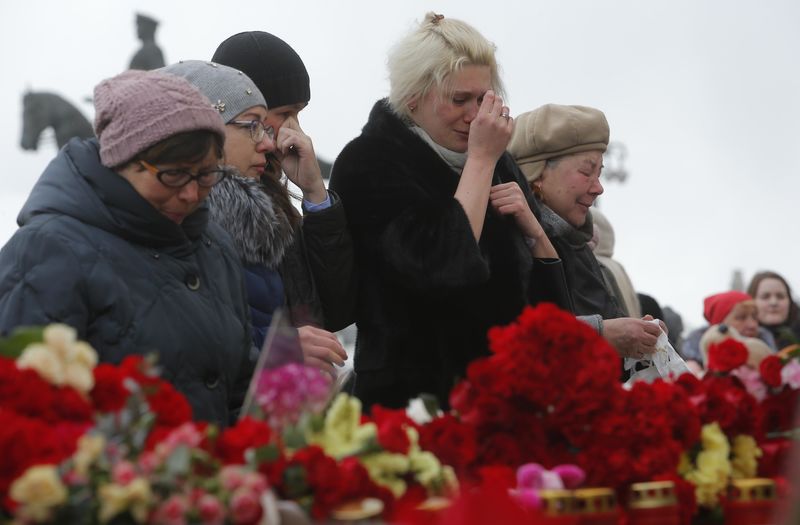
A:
(555, 226)
(77, 185)
(261, 232)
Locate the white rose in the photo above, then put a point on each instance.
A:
(60, 338)
(79, 377)
(84, 354)
(38, 490)
(40, 358)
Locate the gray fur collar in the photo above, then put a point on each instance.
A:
(261, 232)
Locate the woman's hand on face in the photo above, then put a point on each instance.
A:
(508, 199)
(296, 153)
(321, 349)
(490, 130)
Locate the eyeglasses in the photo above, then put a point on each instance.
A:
(257, 129)
(177, 178)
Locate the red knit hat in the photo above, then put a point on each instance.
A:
(717, 307)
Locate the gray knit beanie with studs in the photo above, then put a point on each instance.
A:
(229, 90)
(138, 109)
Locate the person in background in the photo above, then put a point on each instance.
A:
(777, 311)
(615, 274)
(674, 322)
(446, 243)
(649, 306)
(273, 254)
(733, 308)
(281, 77)
(560, 150)
(115, 241)
(279, 73)
(149, 56)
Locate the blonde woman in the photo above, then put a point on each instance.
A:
(445, 241)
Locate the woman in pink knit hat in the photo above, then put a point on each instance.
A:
(115, 241)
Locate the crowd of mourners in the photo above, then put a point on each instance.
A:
(173, 231)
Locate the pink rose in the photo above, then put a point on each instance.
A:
(790, 374)
(245, 507)
(172, 511)
(751, 379)
(255, 481)
(123, 473)
(232, 477)
(210, 510)
(148, 462)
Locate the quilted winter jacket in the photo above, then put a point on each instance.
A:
(92, 253)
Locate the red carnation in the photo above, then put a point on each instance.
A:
(392, 424)
(109, 393)
(450, 440)
(728, 355)
(393, 438)
(26, 442)
(169, 405)
(234, 441)
(770, 369)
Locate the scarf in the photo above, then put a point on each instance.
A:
(452, 158)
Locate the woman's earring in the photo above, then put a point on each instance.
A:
(537, 191)
(412, 108)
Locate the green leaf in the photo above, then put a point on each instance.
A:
(179, 461)
(431, 404)
(294, 478)
(13, 345)
(265, 454)
(294, 437)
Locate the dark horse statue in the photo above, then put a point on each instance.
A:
(44, 110)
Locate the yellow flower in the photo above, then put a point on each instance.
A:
(342, 433)
(387, 469)
(89, 449)
(745, 457)
(713, 467)
(116, 499)
(426, 468)
(38, 491)
(40, 358)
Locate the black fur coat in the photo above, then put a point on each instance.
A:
(428, 292)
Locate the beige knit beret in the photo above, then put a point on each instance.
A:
(553, 131)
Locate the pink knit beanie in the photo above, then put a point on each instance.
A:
(138, 109)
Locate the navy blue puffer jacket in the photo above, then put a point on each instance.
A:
(92, 253)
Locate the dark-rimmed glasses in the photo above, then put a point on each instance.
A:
(177, 178)
(257, 129)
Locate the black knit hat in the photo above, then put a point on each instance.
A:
(273, 65)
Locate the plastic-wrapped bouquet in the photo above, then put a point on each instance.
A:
(284, 391)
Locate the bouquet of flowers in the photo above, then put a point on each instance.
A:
(550, 394)
(331, 456)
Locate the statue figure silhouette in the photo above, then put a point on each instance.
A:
(44, 110)
(149, 56)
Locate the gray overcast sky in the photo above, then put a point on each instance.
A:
(704, 94)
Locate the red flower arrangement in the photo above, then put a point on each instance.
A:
(550, 394)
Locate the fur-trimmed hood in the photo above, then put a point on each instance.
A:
(261, 232)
